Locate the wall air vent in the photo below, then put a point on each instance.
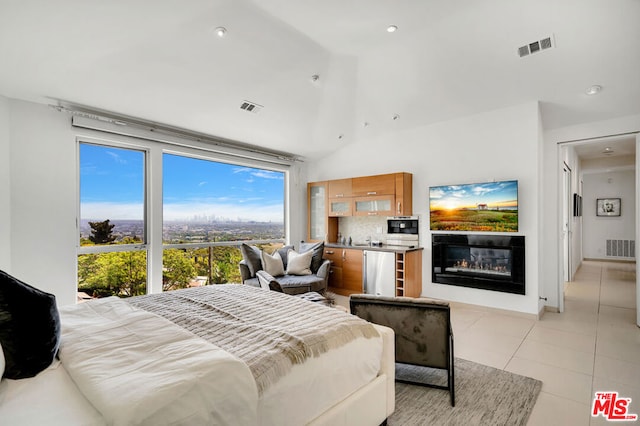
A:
(251, 106)
(620, 248)
(536, 46)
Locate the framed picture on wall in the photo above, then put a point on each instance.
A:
(608, 206)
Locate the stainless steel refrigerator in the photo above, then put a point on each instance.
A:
(379, 273)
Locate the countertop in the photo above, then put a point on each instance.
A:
(383, 247)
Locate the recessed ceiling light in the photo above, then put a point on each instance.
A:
(593, 90)
(221, 31)
(392, 29)
(608, 151)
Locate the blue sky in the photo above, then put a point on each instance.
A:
(112, 187)
(493, 194)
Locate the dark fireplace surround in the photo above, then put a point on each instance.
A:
(489, 262)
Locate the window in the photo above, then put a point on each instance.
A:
(112, 250)
(208, 206)
(129, 246)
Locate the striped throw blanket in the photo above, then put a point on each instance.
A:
(269, 331)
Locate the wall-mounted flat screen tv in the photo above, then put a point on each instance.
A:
(484, 207)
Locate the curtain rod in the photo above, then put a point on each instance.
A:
(156, 129)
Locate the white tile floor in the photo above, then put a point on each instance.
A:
(593, 346)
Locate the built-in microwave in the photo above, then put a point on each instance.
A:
(402, 225)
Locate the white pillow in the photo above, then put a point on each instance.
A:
(2, 362)
(272, 263)
(299, 263)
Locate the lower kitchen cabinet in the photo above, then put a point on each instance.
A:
(352, 271)
(345, 273)
(409, 273)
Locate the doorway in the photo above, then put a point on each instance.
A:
(566, 223)
(600, 157)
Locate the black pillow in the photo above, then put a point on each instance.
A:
(318, 252)
(251, 256)
(29, 328)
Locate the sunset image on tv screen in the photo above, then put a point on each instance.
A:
(486, 207)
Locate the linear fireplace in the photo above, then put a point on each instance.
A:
(490, 262)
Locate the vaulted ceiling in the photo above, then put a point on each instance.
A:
(162, 61)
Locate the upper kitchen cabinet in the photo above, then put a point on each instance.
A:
(404, 194)
(339, 194)
(380, 195)
(340, 207)
(321, 227)
(384, 195)
(339, 188)
(368, 186)
(377, 205)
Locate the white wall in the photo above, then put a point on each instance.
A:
(551, 260)
(596, 229)
(43, 199)
(5, 193)
(496, 145)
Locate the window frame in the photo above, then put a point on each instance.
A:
(153, 196)
(118, 247)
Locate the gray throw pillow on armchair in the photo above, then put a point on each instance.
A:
(318, 252)
(251, 256)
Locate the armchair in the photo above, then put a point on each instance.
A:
(422, 327)
(317, 281)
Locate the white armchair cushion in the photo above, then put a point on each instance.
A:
(299, 263)
(272, 263)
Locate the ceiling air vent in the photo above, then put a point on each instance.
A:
(536, 46)
(251, 106)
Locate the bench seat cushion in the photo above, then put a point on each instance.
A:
(294, 284)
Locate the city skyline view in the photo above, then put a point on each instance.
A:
(112, 187)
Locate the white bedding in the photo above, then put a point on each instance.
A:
(311, 388)
(307, 391)
(137, 368)
(51, 398)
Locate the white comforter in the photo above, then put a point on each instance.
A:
(137, 368)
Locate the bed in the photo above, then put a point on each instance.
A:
(223, 354)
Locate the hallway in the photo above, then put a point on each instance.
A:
(593, 346)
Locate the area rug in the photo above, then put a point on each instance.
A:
(484, 396)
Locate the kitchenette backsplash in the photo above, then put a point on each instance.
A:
(360, 228)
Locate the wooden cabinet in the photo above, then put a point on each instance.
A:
(373, 185)
(380, 195)
(409, 273)
(345, 273)
(335, 270)
(341, 206)
(380, 205)
(404, 194)
(352, 271)
(320, 227)
(384, 195)
(339, 188)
